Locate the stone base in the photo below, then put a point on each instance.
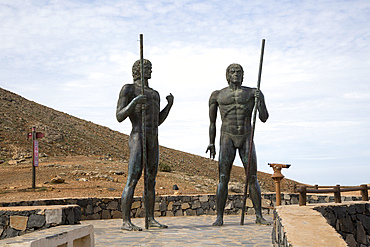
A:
(17, 221)
(65, 236)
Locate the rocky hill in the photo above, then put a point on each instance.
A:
(67, 136)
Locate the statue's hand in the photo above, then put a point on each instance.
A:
(212, 150)
(257, 93)
(140, 99)
(169, 99)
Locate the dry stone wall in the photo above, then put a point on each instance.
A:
(174, 205)
(16, 221)
(351, 221)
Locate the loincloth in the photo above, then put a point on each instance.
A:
(237, 140)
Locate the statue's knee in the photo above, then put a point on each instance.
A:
(253, 179)
(224, 179)
(133, 182)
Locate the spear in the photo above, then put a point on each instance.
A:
(252, 134)
(143, 130)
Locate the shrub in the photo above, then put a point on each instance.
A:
(164, 167)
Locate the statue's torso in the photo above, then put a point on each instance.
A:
(152, 110)
(236, 108)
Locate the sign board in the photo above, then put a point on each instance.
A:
(35, 153)
(38, 135)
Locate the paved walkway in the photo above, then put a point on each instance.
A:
(185, 231)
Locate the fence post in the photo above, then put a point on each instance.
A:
(364, 192)
(302, 195)
(337, 198)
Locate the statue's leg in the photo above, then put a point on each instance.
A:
(254, 188)
(225, 161)
(134, 173)
(152, 169)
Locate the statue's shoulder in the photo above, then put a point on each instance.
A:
(155, 91)
(216, 93)
(127, 89)
(215, 96)
(244, 88)
(249, 90)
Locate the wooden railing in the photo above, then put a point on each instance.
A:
(303, 190)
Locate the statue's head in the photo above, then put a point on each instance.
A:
(234, 66)
(136, 74)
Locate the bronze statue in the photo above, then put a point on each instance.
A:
(236, 104)
(129, 105)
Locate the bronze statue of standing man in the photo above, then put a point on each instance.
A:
(129, 105)
(236, 104)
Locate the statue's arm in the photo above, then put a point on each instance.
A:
(124, 107)
(213, 105)
(164, 113)
(261, 107)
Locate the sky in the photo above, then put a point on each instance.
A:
(74, 56)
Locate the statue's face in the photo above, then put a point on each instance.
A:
(147, 70)
(235, 75)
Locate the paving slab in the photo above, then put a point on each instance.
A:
(185, 231)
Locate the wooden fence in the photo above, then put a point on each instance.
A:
(303, 190)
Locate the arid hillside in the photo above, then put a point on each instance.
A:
(74, 149)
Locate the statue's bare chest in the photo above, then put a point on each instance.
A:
(228, 98)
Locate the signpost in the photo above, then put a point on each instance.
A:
(35, 153)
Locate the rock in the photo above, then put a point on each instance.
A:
(175, 187)
(203, 198)
(57, 180)
(36, 221)
(18, 222)
(361, 234)
(112, 205)
(119, 172)
(235, 187)
(12, 162)
(136, 204)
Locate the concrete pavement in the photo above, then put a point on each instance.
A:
(185, 231)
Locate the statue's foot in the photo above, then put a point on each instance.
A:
(128, 226)
(261, 221)
(219, 222)
(154, 223)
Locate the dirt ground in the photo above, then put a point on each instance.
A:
(87, 177)
(82, 176)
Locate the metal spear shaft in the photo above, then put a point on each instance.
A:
(143, 130)
(252, 135)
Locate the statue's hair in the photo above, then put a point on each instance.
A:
(228, 69)
(136, 74)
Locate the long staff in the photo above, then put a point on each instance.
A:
(143, 130)
(252, 135)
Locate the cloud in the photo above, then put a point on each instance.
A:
(74, 56)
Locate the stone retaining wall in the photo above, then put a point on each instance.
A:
(351, 221)
(327, 224)
(16, 221)
(176, 205)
